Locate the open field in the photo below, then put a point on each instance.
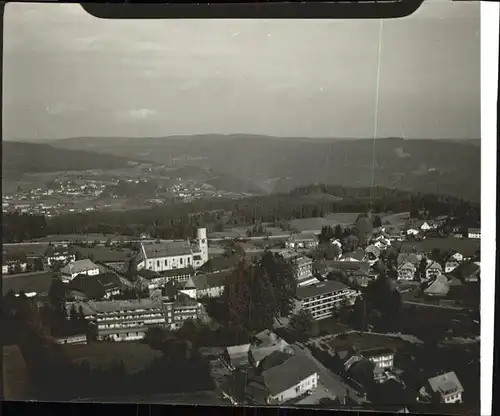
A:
(15, 376)
(464, 246)
(29, 282)
(104, 254)
(134, 355)
(315, 224)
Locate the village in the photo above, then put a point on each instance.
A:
(335, 347)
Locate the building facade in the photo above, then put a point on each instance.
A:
(406, 271)
(160, 257)
(302, 241)
(180, 310)
(123, 320)
(474, 233)
(323, 298)
(73, 269)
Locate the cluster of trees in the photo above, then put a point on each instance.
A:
(22, 323)
(17, 227)
(257, 231)
(379, 306)
(256, 293)
(178, 221)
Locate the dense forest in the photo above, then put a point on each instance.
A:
(178, 221)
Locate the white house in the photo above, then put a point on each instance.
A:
(446, 388)
(291, 379)
(210, 285)
(73, 269)
(474, 233)
(302, 240)
(160, 257)
(60, 257)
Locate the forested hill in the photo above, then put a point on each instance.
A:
(19, 158)
(181, 220)
(277, 164)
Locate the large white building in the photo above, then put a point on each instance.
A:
(160, 257)
(73, 269)
(321, 299)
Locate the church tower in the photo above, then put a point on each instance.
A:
(201, 235)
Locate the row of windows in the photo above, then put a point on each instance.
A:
(182, 261)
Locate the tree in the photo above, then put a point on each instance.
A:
(337, 233)
(364, 228)
(350, 243)
(377, 222)
(326, 234)
(283, 280)
(302, 324)
(38, 264)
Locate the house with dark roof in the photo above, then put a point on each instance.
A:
(266, 343)
(443, 388)
(101, 286)
(290, 379)
(206, 285)
(433, 269)
(354, 256)
(322, 298)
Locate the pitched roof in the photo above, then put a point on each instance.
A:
(210, 280)
(328, 286)
(274, 359)
(79, 266)
(220, 263)
(170, 249)
(298, 237)
(439, 286)
(434, 265)
(106, 306)
(410, 257)
(288, 374)
(358, 255)
(95, 287)
(445, 384)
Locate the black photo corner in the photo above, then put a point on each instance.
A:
(221, 9)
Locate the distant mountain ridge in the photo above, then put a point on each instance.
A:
(442, 166)
(27, 157)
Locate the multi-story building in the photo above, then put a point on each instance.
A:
(302, 240)
(444, 388)
(181, 309)
(160, 257)
(73, 269)
(322, 298)
(433, 269)
(406, 271)
(124, 320)
(302, 267)
(58, 254)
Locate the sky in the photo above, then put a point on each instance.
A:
(68, 74)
